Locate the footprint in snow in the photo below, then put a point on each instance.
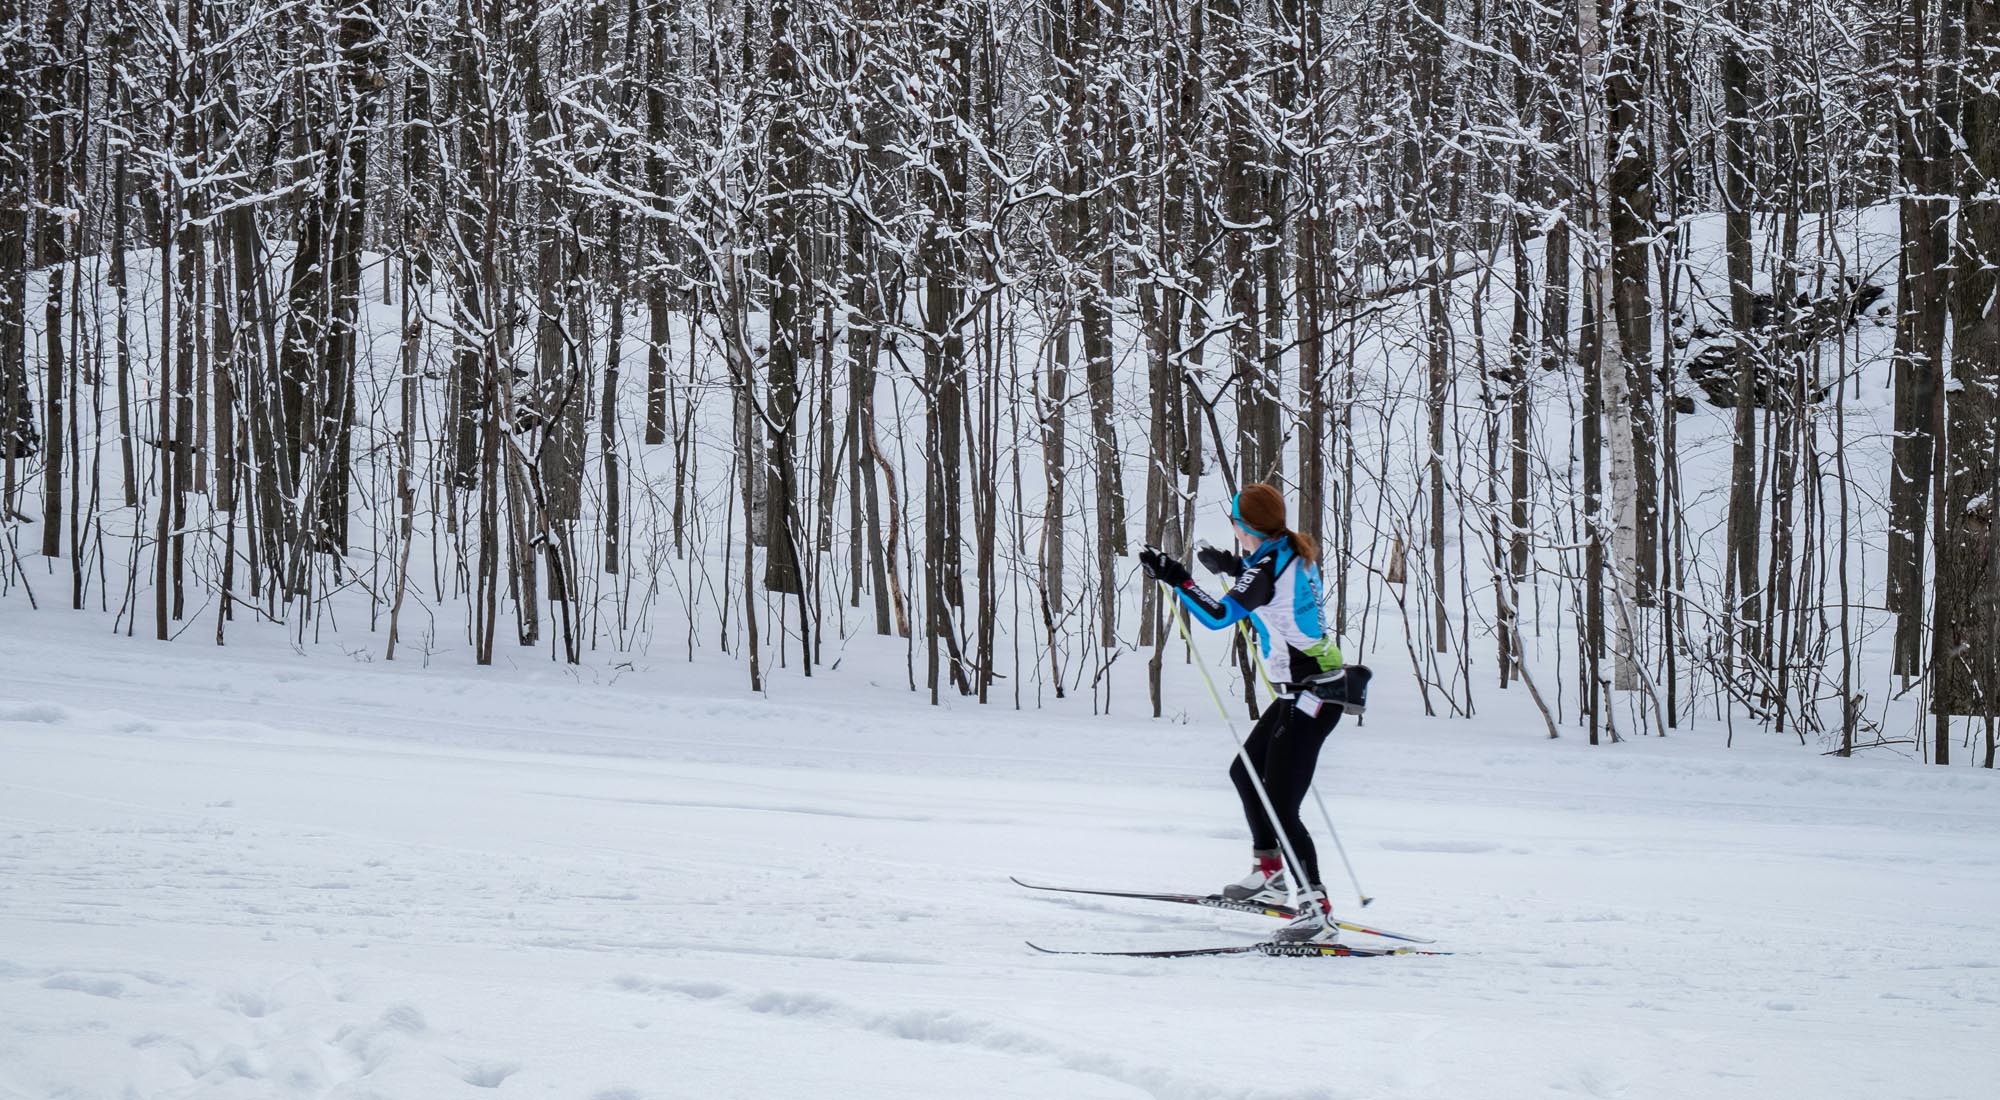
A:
(254, 1006)
(403, 1017)
(85, 983)
(487, 1075)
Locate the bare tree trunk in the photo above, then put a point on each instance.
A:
(1629, 152)
(784, 229)
(1741, 595)
(607, 425)
(52, 157)
(18, 436)
(1616, 297)
(658, 313)
(120, 242)
(1306, 23)
(1920, 326)
(1966, 592)
(1424, 161)
(1243, 217)
(1521, 352)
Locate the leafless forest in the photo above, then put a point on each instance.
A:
(1639, 357)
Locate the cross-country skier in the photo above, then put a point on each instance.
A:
(1276, 588)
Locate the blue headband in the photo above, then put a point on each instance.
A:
(1236, 516)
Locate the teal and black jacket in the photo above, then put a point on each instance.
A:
(1279, 593)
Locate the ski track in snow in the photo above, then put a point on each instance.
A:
(247, 873)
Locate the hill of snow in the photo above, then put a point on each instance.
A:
(259, 873)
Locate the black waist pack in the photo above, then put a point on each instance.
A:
(1346, 687)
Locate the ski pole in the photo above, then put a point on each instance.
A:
(1341, 848)
(1242, 754)
(1320, 800)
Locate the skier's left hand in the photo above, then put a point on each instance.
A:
(1220, 562)
(1160, 567)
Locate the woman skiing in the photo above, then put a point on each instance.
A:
(1276, 587)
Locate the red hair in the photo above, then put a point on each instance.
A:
(1263, 508)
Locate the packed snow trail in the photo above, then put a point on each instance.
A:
(249, 873)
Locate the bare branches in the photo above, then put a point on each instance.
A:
(942, 305)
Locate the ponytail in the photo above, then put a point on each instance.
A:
(1304, 545)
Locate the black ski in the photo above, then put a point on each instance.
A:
(1212, 901)
(1217, 901)
(1182, 953)
(1271, 948)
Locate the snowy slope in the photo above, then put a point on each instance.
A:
(250, 873)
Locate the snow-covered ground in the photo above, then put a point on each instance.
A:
(259, 874)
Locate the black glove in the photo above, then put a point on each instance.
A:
(1219, 562)
(1160, 567)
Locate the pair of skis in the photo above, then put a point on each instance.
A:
(1271, 947)
(1267, 909)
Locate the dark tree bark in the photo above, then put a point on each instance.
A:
(1738, 189)
(943, 258)
(1306, 22)
(658, 304)
(52, 158)
(1244, 224)
(784, 228)
(466, 388)
(1967, 593)
(18, 435)
(1924, 211)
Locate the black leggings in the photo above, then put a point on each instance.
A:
(1284, 746)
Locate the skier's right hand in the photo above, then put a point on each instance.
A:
(1219, 562)
(1160, 567)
